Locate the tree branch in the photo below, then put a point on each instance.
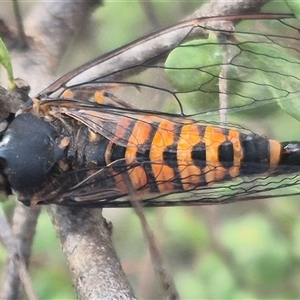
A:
(85, 237)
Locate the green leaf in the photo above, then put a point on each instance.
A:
(193, 69)
(194, 63)
(278, 70)
(294, 7)
(6, 62)
(259, 72)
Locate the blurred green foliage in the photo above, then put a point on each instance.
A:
(6, 62)
(237, 251)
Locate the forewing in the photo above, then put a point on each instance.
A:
(236, 66)
(105, 187)
(184, 66)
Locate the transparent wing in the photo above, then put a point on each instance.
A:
(237, 67)
(105, 187)
(186, 68)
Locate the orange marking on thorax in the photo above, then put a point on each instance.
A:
(99, 97)
(64, 142)
(68, 94)
(93, 136)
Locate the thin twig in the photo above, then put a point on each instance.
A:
(165, 279)
(22, 36)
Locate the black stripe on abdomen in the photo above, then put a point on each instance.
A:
(256, 154)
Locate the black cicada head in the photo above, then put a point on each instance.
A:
(28, 152)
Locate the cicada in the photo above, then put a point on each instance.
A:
(157, 121)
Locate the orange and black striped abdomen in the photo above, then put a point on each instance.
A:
(162, 155)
